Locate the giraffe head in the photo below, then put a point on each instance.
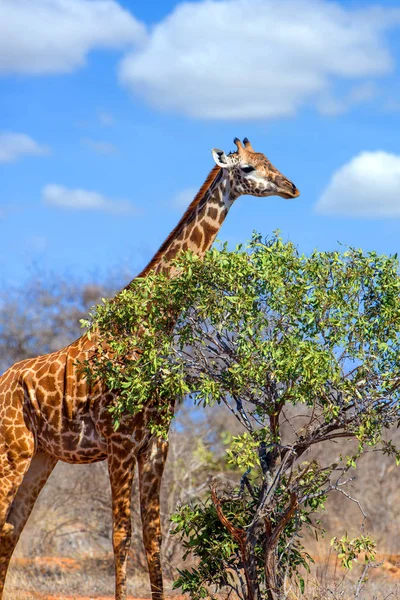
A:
(252, 173)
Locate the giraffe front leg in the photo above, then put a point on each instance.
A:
(121, 466)
(36, 476)
(16, 452)
(151, 467)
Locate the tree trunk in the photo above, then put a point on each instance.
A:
(272, 579)
(271, 574)
(250, 566)
(246, 544)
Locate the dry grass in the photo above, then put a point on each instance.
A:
(52, 578)
(63, 578)
(48, 577)
(22, 595)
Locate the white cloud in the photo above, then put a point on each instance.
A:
(78, 199)
(358, 94)
(99, 146)
(53, 36)
(106, 119)
(183, 198)
(14, 145)
(240, 59)
(367, 186)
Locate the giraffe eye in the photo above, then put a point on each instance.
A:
(248, 169)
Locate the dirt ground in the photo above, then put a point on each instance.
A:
(65, 578)
(37, 596)
(62, 578)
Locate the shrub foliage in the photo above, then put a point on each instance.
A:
(302, 350)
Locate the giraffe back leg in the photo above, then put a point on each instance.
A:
(17, 443)
(151, 468)
(16, 451)
(35, 477)
(14, 462)
(121, 467)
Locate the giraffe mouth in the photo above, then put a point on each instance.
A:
(290, 196)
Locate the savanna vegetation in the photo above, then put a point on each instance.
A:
(285, 447)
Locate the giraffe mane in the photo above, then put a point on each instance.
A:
(186, 218)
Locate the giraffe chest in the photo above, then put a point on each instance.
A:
(70, 419)
(82, 433)
(85, 437)
(76, 441)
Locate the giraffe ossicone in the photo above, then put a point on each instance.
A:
(50, 412)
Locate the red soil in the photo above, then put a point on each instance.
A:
(45, 597)
(38, 596)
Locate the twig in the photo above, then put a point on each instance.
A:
(337, 489)
(362, 580)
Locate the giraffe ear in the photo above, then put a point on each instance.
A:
(220, 158)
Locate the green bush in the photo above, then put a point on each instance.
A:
(263, 330)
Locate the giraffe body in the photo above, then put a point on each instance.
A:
(62, 420)
(48, 411)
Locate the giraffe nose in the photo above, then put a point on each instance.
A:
(286, 188)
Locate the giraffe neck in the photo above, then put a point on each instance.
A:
(199, 225)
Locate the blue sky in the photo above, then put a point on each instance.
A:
(109, 111)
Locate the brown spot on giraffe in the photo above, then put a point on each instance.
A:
(196, 237)
(212, 213)
(49, 412)
(210, 232)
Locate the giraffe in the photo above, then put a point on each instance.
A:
(48, 411)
